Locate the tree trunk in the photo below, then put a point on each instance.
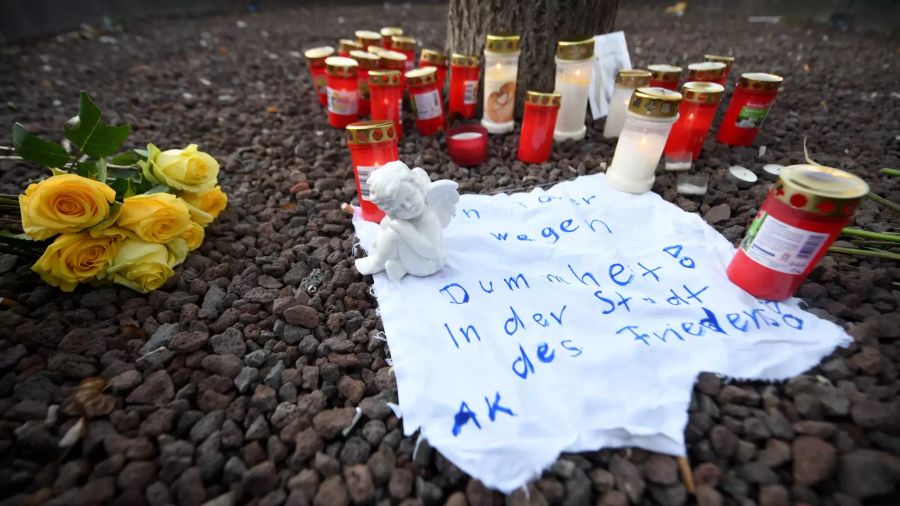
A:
(541, 23)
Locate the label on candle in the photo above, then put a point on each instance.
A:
(752, 115)
(342, 102)
(501, 100)
(471, 92)
(320, 82)
(427, 105)
(364, 172)
(779, 246)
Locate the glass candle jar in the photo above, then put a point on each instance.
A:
(372, 144)
(574, 65)
(501, 69)
(708, 71)
(467, 144)
(695, 116)
(664, 76)
(343, 91)
(438, 60)
(650, 116)
(367, 38)
(538, 123)
(347, 45)
(407, 46)
(392, 60)
(627, 80)
(386, 97)
(753, 97)
(464, 73)
(727, 60)
(426, 100)
(802, 215)
(315, 59)
(386, 34)
(366, 62)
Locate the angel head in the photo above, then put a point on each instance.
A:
(399, 191)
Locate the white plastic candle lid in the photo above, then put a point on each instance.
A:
(741, 176)
(772, 170)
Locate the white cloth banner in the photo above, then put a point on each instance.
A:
(610, 55)
(574, 319)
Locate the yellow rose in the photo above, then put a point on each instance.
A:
(193, 236)
(157, 217)
(184, 169)
(211, 202)
(64, 204)
(74, 258)
(141, 266)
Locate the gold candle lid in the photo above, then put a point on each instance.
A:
(502, 43)
(819, 190)
(421, 76)
(463, 60)
(366, 37)
(369, 132)
(376, 49)
(575, 49)
(727, 60)
(760, 81)
(403, 43)
(393, 60)
(664, 72)
(701, 92)
(340, 66)
(543, 99)
(384, 78)
(654, 102)
(316, 56)
(347, 45)
(434, 57)
(633, 78)
(706, 71)
(366, 61)
(390, 31)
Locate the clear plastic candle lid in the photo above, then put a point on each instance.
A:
(654, 102)
(502, 43)
(633, 78)
(575, 49)
(760, 81)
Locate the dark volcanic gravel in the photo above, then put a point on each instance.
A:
(233, 383)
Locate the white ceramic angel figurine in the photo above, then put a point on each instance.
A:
(411, 239)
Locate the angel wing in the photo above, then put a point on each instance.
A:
(442, 197)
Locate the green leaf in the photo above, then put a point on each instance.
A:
(86, 169)
(33, 148)
(57, 172)
(92, 136)
(114, 209)
(126, 158)
(101, 170)
(124, 188)
(143, 153)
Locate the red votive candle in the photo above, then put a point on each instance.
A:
(727, 60)
(464, 72)
(708, 71)
(753, 97)
(802, 215)
(343, 91)
(695, 116)
(538, 122)
(347, 45)
(664, 76)
(366, 38)
(372, 144)
(407, 46)
(366, 62)
(467, 144)
(392, 60)
(386, 97)
(438, 60)
(426, 100)
(388, 32)
(315, 59)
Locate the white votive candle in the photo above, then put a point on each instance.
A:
(501, 68)
(741, 176)
(573, 77)
(627, 81)
(465, 136)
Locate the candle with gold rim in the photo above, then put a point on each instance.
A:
(315, 59)
(438, 60)
(392, 60)
(464, 74)
(407, 46)
(574, 61)
(366, 62)
(627, 80)
(347, 45)
(388, 32)
(538, 123)
(367, 38)
(750, 104)
(372, 144)
(695, 116)
(707, 71)
(386, 97)
(664, 76)
(501, 70)
(727, 60)
(425, 100)
(343, 91)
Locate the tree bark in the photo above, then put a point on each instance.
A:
(541, 23)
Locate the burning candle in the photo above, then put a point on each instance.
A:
(573, 76)
(727, 60)
(367, 38)
(695, 116)
(627, 80)
(501, 68)
(708, 71)
(315, 59)
(392, 60)
(347, 45)
(802, 215)
(425, 100)
(366, 62)
(343, 91)
(464, 72)
(438, 60)
(386, 34)
(407, 46)
(664, 76)
(650, 116)
(753, 97)
(386, 97)
(467, 144)
(372, 144)
(538, 123)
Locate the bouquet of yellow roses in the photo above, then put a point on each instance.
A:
(103, 215)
